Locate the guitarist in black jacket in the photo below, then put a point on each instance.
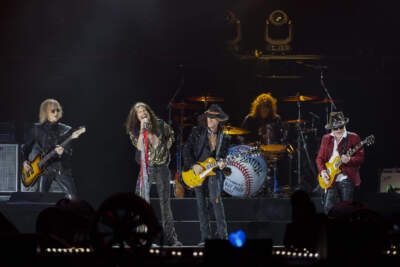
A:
(203, 142)
(48, 134)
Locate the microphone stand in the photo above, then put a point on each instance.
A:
(298, 142)
(179, 142)
(301, 140)
(333, 106)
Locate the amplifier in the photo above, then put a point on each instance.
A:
(8, 168)
(390, 178)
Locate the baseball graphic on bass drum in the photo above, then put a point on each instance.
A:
(247, 174)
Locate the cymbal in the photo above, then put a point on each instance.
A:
(232, 130)
(327, 101)
(295, 121)
(183, 105)
(205, 99)
(301, 98)
(273, 148)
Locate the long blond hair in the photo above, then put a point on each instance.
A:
(132, 124)
(44, 106)
(265, 99)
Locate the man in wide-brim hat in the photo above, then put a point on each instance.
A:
(337, 143)
(336, 120)
(204, 142)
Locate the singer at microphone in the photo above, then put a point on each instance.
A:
(152, 139)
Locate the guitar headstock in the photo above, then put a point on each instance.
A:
(78, 132)
(369, 140)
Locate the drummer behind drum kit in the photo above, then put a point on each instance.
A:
(246, 176)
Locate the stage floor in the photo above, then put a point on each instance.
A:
(257, 217)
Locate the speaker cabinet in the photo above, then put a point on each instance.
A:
(8, 168)
(390, 177)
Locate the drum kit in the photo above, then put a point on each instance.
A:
(249, 171)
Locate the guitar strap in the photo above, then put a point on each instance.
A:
(219, 144)
(203, 139)
(344, 146)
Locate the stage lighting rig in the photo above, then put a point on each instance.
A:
(278, 32)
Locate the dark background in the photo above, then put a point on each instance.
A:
(99, 57)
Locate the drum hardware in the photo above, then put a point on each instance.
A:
(301, 142)
(244, 176)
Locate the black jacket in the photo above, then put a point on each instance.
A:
(47, 135)
(196, 143)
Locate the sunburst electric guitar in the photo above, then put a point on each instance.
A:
(191, 179)
(333, 168)
(39, 163)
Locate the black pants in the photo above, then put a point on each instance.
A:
(161, 175)
(340, 191)
(214, 189)
(64, 179)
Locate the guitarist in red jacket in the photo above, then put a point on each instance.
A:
(335, 144)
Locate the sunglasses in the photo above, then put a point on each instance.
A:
(55, 110)
(338, 128)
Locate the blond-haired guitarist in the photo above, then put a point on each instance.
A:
(336, 144)
(48, 134)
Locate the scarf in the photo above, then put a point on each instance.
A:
(144, 185)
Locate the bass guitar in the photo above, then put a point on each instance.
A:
(333, 168)
(38, 164)
(191, 179)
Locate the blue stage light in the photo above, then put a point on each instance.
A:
(237, 238)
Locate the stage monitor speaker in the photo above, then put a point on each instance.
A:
(36, 197)
(390, 181)
(8, 168)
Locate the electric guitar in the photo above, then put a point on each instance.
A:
(333, 168)
(38, 164)
(191, 179)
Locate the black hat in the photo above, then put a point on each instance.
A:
(216, 112)
(336, 120)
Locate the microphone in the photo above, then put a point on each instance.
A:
(314, 115)
(145, 121)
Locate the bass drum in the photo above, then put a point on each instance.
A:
(246, 175)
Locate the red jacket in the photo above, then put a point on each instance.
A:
(352, 167)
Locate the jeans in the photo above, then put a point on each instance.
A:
(161, 175)
(216, 202)
(340, 191)
(64, 179)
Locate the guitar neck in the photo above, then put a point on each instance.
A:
(240, 154)
(353, 150)
(53, 152)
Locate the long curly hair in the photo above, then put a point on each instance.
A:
(133, 124)
(267, 100)
(44, 106)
